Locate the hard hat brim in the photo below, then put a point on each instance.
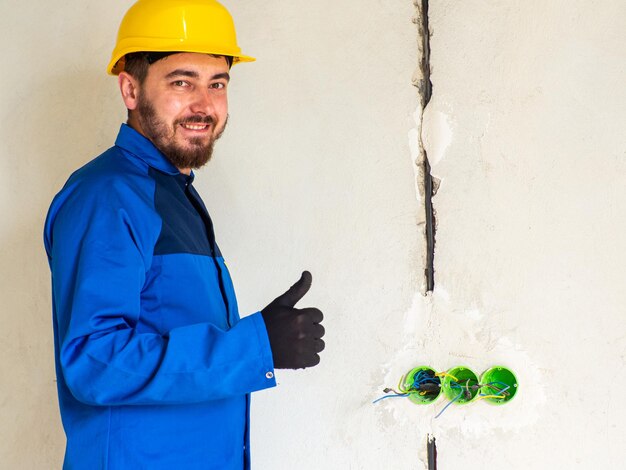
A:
(116, 65)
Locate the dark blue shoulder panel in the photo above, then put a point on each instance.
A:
(183, 229)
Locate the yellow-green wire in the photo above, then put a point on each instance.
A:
(480, 397)
(445, 374)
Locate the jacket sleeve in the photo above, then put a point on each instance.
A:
(99, 245)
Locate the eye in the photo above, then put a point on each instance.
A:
(180, 83)
(217, 85)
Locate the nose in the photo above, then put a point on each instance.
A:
(203, 102)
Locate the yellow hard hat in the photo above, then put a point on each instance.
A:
(203, 26)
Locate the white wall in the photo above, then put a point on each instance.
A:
(316, 171)
(526, 129)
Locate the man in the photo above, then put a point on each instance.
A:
(154, 365)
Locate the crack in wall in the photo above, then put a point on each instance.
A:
(426, 183)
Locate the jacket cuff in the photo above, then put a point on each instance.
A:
(266, 365)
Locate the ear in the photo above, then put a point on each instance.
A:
(129, 87)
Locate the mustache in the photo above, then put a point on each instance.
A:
(196, 120)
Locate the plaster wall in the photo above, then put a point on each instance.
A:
(525, 130)
(316, 171)
(313, 173)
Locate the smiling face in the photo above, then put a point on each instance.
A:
(181, 106)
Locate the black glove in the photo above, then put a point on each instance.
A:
(295, 334)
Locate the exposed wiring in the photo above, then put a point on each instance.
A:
(499, 390)
(466, 389)
(451, 401)
(445, 374)
(400, 395)
(501, 393)
(425, 384)
(482, 397)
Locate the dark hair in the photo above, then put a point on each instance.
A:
(137, 63)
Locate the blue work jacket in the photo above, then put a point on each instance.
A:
(154, 365)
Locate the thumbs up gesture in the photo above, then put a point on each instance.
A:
(294, 334)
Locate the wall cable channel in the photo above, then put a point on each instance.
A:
(426, 89)
(432, 453)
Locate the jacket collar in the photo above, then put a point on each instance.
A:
(141, 147)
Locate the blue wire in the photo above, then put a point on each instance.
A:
(422, 377)
(500, 392)
(501, 383)
(445, 407)
(390, 396)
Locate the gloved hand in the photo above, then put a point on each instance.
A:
(294, 334)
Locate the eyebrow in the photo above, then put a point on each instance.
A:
(224, 75)
(193, 74)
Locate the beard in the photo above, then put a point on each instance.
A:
(195, 155)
